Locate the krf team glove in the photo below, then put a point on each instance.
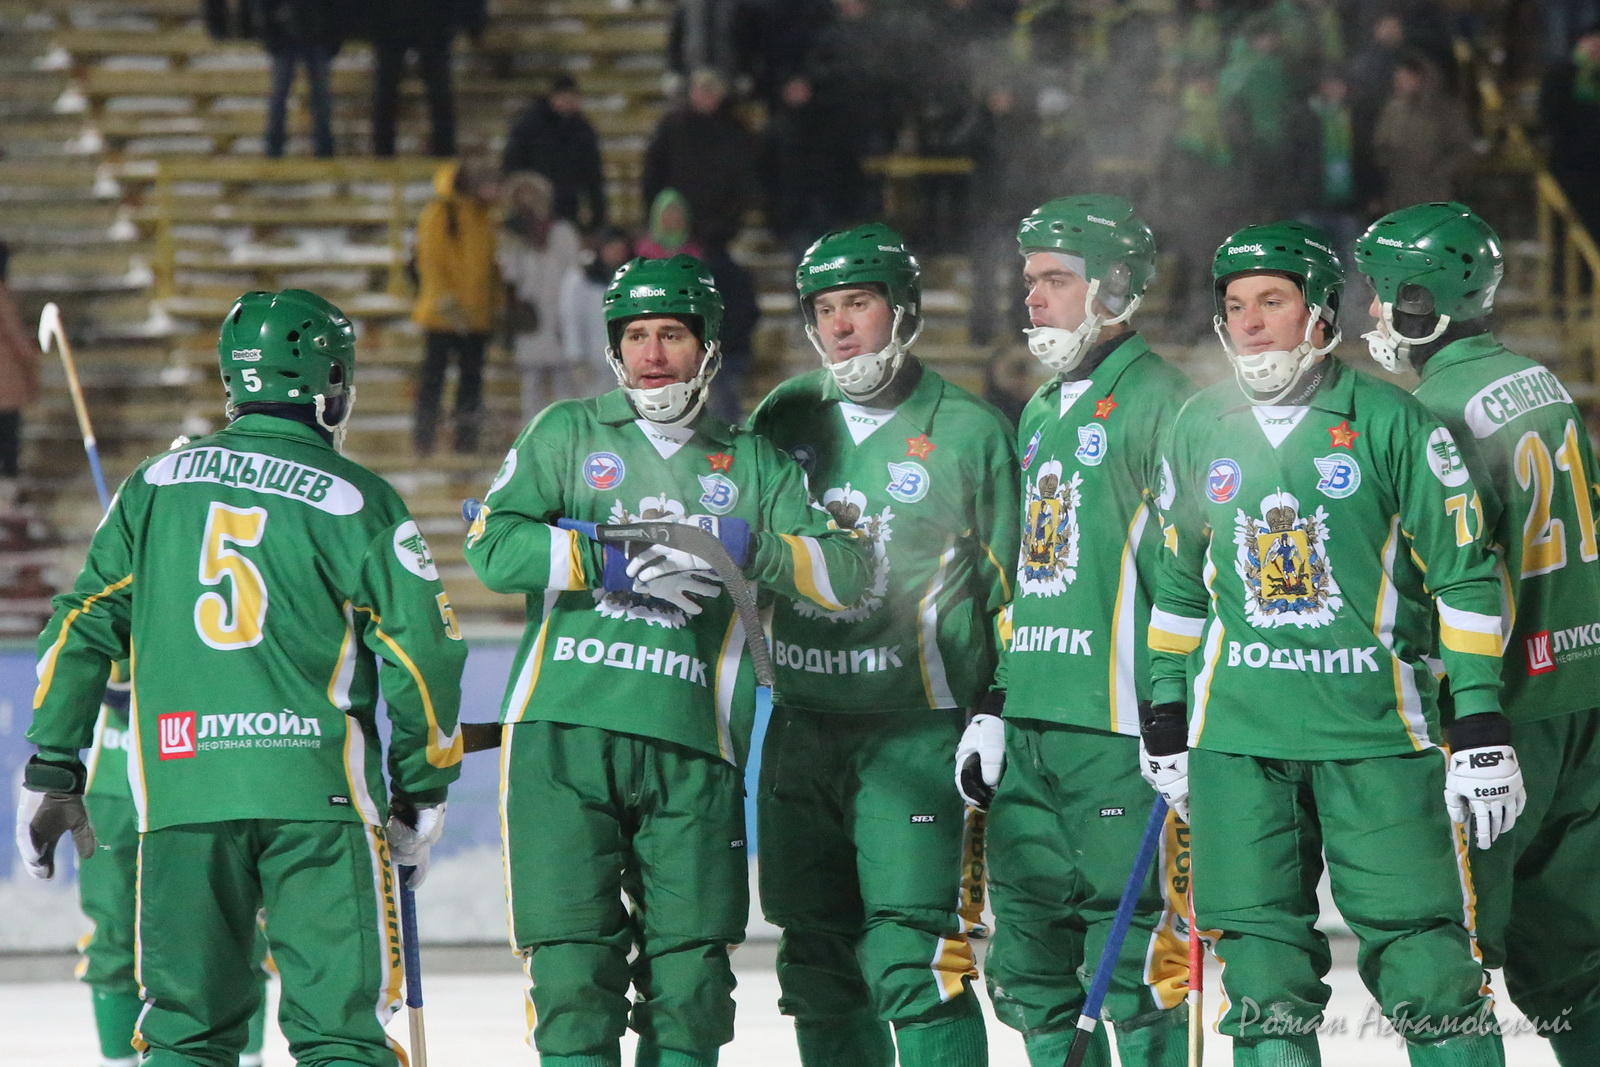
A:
(1164, 753)
(981, 759)
(654, 561)
(674, 587)
(412, 831)
(1483, 781)
(51, 804)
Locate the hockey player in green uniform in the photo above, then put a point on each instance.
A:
(631, 700)
(1319, 545)
(263, 588)
(862, 838)
(1066, 817)
(1435, 268)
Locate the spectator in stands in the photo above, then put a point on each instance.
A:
(19, 381)
(1257, 94)
(1334, 206)
(1011, 178)
(670, 230)
(426, 28)
(719, 35)
(787, 32)
(705, 152)
(552, 137)
(306, 34)
(741, 311)
(1423, 140)
(583, 290)
(536, 252)
(459, 297)
(1371, 83)
(1569, 110)
(810, 168)
(857, 65)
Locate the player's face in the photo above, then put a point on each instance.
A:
(852, 322)
(658, 351)
(1055, 293)
(1265, 313)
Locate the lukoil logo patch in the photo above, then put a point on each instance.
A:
(175, 734)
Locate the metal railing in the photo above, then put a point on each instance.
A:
(1568, 278)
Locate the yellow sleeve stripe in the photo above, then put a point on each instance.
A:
(47, 664)
(811, 571)
(1174, 633)
(1164, 641)
(1005, 574)
(566, 561)
(444, 750)
(1003, 625)
(1479, 644)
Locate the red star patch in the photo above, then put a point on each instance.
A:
(919, 446)
(721, 461)
(1343, 436)
(1103, 408)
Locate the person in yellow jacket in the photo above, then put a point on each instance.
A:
(459, 296)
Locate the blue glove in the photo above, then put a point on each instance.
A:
(614, 576)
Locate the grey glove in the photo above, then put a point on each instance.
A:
(51, 804)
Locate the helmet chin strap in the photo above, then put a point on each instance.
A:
(1062, 350)
(1277, 371)
(675, 404)
(1391, 348)
(337, 429)
(865, 376)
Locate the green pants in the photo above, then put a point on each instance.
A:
(1063, 831)
(1538, 895)
(589, 815)
(863, 840)
(331, 925)
(1261, 829)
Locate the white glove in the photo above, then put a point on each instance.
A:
(1169, 775)
(41, 820)
(1485, 784)
(410, 846)
(981, 760)
(675, 587)
(657, 561)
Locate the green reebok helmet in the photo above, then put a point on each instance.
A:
(1115, 244)
(872, 256)
(1292, 248)
(680, 287)
(1444, 249)
(291, 347)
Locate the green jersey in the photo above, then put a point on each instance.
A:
(263, 589)
(1310, 547)
(1526, 443)
(616, 659)
(1086, 572)
(930, 483)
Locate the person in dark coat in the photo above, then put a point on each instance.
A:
(299, 33)
(810, 168)
(705, 152)
(1569, 112)
(551, 137)
(426, 28)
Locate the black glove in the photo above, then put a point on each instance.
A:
(51, 804)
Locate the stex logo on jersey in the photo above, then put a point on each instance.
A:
(1288, 579)
(1092, 442)
(1340, 476)
(720, 495)
(1223, 480)
(848, 506)
(1444, 459)
(1032, 450)
(604, 471)
(175, 734)
(908, 482)
(1049, 556)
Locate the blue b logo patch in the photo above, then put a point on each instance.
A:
(1222, 480)
(604, 470)
(1091, 444)
(720, 495)
(908, 482)
(1340, 476)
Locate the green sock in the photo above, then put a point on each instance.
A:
(586, 1059)
(114, 1016)
(953, 1038)
(1050, 1049)
(1162, 1042)
(650, 1054)
(1475, 1050)
(860, 1040)
(1578, 1042)
(1278, 1052)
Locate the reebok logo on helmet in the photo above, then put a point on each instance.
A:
(832, 264)
(1391, 242)
(639, 292)
(1319, 247)
(1101, 221)
(1239, 250)
(247, 355)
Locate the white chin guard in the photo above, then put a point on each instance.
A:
(1062, 350)
(337, 429)
(1391, 348)
(675, 404)
(865, 376)
(1267, 377)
